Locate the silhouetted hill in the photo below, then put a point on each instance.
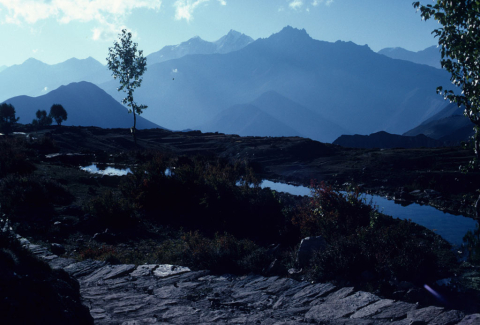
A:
(86, 105)
(35, 78)
(350, 85)
(280, 117)
(447, 125)
(233, 41)
(430, 56)
(248, 120)
(385, 140)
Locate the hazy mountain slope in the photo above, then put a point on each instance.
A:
(449, 110)
(248, 120)
(233, 41)
(449, 124)
(35, 78)
(430, 56)
(86, 105)
(298, 117)
(352, 86)
(3, 67)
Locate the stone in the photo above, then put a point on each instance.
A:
(337, 308)
(449, 317)
(57, 249)
(372, 309)
(308, 246)
(425, 315)
(470, 319)
(166, 270)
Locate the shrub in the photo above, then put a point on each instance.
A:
(14, 157)
(330, 213)
(7, 118)
(221, 254)
(112, 211)
(360, 239)
(208, 194)
(42, 119)
(31, 196)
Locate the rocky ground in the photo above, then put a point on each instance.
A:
(152, 294)
(166, 294)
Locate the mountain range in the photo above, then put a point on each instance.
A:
(448, 125)
(272, 114)
(430, 56)
(231, 42)
(86, 105)
(350, 85)
(286, 84)
(35, 78)
(3, 67)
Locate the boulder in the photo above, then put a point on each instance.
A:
(308, 246)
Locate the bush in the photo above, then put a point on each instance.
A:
(207, 194)
(31, 196)
(331, 214)
(14, 157)
(362, 240)
(222, 254)
(112, 211)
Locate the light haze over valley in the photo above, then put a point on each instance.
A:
(315, 69)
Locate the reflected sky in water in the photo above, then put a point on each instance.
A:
(108, 171)
(447, 225)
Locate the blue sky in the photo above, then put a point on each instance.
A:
(55, 30)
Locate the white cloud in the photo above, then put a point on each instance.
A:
(296, 4)
(107, 13)
(317, 2)
(222, 2)
(184, 8)
(174, 70)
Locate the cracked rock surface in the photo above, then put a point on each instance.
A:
(167, 294)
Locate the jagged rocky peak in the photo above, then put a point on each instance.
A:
(233, 41)
(292, 32)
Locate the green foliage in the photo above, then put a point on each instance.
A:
(42, 119)
(58, 113)
(220, 254)
(14, 157)
(360, 239)
(30, 196)
(128, 64)
(472, 243)
(7, 118)
(202, 193)
(331, 213)
(112, 211)
(459, 40)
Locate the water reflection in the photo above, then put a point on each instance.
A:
(106, 170)
(450, 227)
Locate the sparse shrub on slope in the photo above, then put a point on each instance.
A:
(14, 157)
(362, 240)
(220, 254)
(31, 197)
(207, 194)
(112, 211)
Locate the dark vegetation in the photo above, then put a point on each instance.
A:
(208, 212)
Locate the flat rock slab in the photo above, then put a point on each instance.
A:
(168, 294)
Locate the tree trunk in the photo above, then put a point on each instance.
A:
(134, 128)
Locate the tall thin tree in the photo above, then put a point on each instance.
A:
(128, 64)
